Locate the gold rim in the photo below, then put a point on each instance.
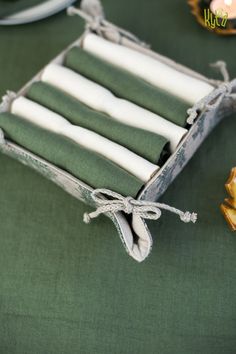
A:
(196, 11)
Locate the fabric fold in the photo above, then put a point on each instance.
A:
(37, 114)
(153, 71)
(128, 86)
(89, 167)
(151, 146)
(101, 99)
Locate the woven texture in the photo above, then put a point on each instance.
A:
(145, 144)
(128, 86)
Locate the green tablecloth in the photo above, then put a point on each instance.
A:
(66, 287)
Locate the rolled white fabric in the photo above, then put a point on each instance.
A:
(101, 99)
(155, 72)
(43, 117)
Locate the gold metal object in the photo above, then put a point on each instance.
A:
(230, 216)
(229, 210)
(201, 10)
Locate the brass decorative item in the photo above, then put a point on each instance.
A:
(230, 216)
(218, 16)
(229, 210)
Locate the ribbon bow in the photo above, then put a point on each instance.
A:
(129, 205)
(215, 98)
(91, 11)
(211, 101)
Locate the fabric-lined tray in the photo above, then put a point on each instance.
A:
(123, 195)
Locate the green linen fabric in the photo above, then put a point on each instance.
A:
(148, 145)
(67, 287)
(128, 86)
(88, 166)
(10, 7)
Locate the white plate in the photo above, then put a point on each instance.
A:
(37, 13)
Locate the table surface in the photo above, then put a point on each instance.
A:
(66, 287)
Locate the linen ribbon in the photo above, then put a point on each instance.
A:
(215, 98)
(129, 205)
(91, 11)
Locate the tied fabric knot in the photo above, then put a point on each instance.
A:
(4, 106)
(93, 8)
(8, 98)
(2, 138)
(225, 90)
(192, 115)
(213, 100)
(188, 217)
(210, 102)
(95, 25)
(91, 11)
(129, 205)
(222, 67)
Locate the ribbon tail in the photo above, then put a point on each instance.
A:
(222, 67)
(94, 214)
